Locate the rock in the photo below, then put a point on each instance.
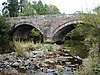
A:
(52, 61)
(67, 71)
(50, 70)
(35, 67)
(19, 60)
(27, 62)
(35, 61)
(14, 71)
(29, 72)
(22, 69)
(1, 69)
(6, 63)
(6, 58)
(15, 64)
(9, 71)
(29, 54)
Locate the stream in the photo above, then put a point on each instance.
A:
(56, 62)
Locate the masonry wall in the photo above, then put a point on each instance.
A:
(46, 24)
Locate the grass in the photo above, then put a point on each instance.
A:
(22, 47)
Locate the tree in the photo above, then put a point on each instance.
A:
(21, 5)
(53, 10)
(90, 30)
(26, 8)
(46, 9)
(39, 7)
(13, 8)
(36, 35)
(43, 9)
(4, 30)
(10, 8)
(97, 9)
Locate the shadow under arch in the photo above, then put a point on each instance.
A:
(22, 31)
(60, 32)
(60, 38)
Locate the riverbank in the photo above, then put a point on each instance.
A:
(39, 63)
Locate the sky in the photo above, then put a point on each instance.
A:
(69, 6)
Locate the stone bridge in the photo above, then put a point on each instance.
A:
(52, 27)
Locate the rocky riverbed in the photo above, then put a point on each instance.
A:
(39, 63)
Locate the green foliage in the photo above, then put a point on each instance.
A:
(90, 65)
(77, 48)
(59, 71)
(19, 49)
(10, 8)
(34, 32)
(53, 10)
(86, 68)
(36, 8)
(90, 30)
(39, 7)
(4, 30)
(26, 8)
(97, 10)
(13, 8)
(35, 35)
(45, 9)
(4, 27)
(47, 47)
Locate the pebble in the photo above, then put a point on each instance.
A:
(34, 61)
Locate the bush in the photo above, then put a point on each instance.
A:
(19, 49)
(4, 37)
(22, 47)
(48, 47)
(91, 65)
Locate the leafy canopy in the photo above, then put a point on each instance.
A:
(13, 8)
(90, 30)
(4, 28)
(4, 31)
(10, 8)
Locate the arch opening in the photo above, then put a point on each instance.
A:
(60, 35)
(75, 41)
(24, 32)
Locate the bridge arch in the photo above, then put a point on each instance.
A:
(23, 28)
(27, 23)
(60, 32)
